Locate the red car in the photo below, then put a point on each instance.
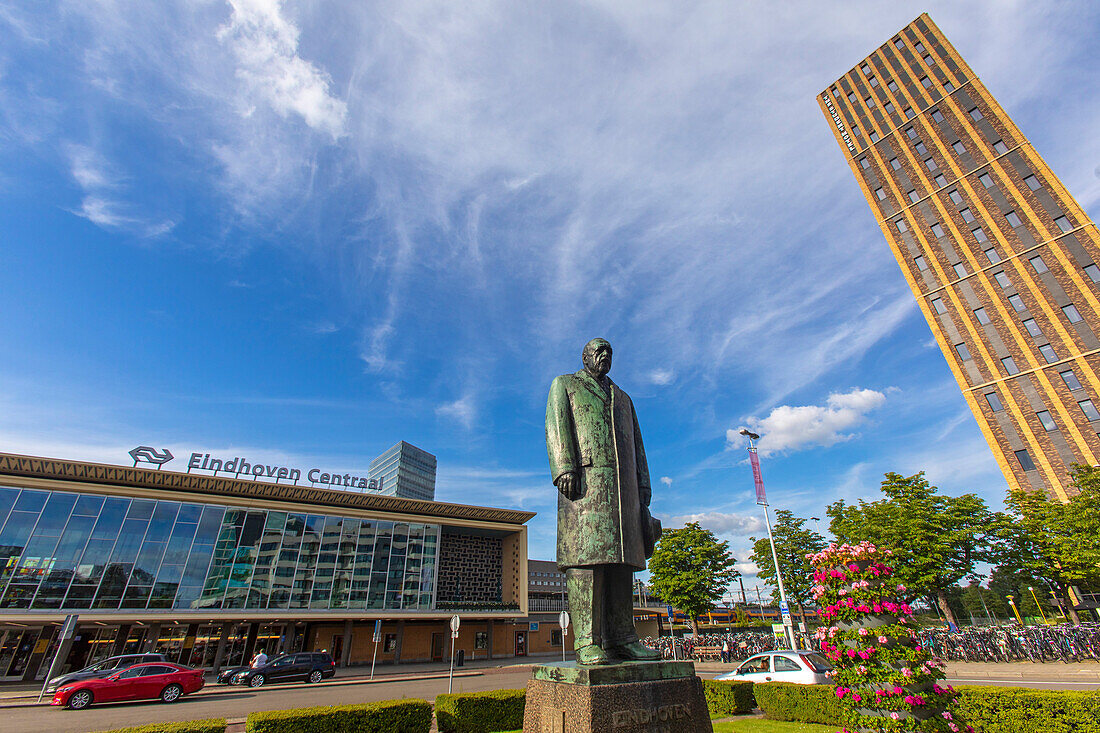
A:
(162, 680)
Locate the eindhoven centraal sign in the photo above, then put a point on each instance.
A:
(238, 466)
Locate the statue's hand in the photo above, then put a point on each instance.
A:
(569, 486)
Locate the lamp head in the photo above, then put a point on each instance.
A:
(749, 434)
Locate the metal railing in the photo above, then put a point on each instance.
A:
(547, 604)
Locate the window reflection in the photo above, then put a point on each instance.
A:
(66, 550)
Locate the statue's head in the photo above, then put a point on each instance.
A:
(597, 357)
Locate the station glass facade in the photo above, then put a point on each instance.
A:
(68, 550)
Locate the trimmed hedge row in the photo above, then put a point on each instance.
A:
(1023, 710)
(799, 703)
(726, 698)
(211, 725)
(393, 716)
(480, 712)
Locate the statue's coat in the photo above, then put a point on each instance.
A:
(595, 435)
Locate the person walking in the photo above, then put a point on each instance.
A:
(725, 651)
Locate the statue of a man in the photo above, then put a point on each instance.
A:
(605, 531)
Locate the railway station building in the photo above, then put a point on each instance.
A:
(209, 569)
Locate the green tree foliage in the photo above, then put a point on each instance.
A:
(1049, 544)
(690, 569)
(935, 540)
(793, 541)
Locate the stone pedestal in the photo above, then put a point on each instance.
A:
(632, 697)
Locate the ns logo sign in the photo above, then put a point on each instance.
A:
(145, 454)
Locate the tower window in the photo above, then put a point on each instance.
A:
(1013, 219)
(936, 114)
(852, 97)
(948, 87)
(982, 316)
(1032, 327)
(1089, 409)
(975, 114)
(958, 147)
(1072, 314)
(1048, 353)
(895, 164)
(1000, 148)
(881, 194)
(872, 81)
(864, 163)
(874, 137)
(956, 197)
(889, 108)
(921, 264)
(993, 256)
(926, 82)
(940, 180)
(869, 101)
(1002, 280)
(1025, 460)
(930, 164)
(1038, 264)
(919, 47)
(892, 85)
(966, 215)
(909, 113)
(1063, 223)
(914, 197)
(1010, 365)
(960, 269)
(986, 180)
(912, 133)
(1093, 272)
(1046, 421)
(937, 229)
(920, 148)
(994, 402)
(938, 306)
(1070, 379)
(929, 60)
(963, 352)
(979, 234)
(1033, 183)
(901, 225)
(1017, 303)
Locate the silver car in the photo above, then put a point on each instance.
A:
(801, 667)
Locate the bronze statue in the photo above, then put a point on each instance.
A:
(605, 531)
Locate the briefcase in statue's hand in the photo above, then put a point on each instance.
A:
(651, 530)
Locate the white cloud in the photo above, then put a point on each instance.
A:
(727, 524)
(791, 427)
(103, 203)
(662, 376)
(666, 481)
(265, 45)
(463, 410)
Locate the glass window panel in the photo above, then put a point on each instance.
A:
(170, 573)
(129, 540)
(1070, 379)
(1072, 314)
(1032, 327)
(179, 543)
(209, 525)
(189, 513)
(960, 269)
(198, 563)
(164, 516)
(88, 506)
(1017, 303)
(95, 558)
(147, 564)
(136, 596)
(982, 316)
(31, 501)
(19, 595)
(287, 563)
(1013, 218)
(55, 514)
(964, 353)
(7, 501)
(1009, 365)
(1025, 460)
(994, 402)
(1047, 421)
(302, 589)
(73, 540)
(109, 524)
(1093, 272)
(114, 580)
(993, 256)
(244, 561)
(1089, 409)
(37, 560)
(163, 595)
(80, 596)
(1048, 353)
(188, 597)
(921, 263)
(1002, 279)
(140, 509)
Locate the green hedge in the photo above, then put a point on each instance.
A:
(213, 725)
(799, 703)
(480, 712)
(392, 716)
(726, 698)
(1023, 710)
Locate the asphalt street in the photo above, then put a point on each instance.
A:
(239, 702)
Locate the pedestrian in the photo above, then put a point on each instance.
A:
(259, 660)
(725, 651)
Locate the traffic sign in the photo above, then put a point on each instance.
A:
(669, 609)
(377, 630)
(455, 623)
(563, 620)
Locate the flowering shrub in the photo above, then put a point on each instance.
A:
(885, 680)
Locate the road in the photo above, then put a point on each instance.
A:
(239, 702)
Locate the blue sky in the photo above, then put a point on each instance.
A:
(302, 231)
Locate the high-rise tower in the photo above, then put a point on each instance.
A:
(1001, 258)
(405, 471)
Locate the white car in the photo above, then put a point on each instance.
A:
(801, 667)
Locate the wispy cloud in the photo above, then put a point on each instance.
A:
(463, 410)
(721, 523)
(103, 203)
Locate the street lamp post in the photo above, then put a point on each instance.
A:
(762, 500)
(1030, 588)
(1014, 609)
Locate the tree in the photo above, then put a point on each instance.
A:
(793, 542)
(1049, 544)
(935, 540)
(691, 569)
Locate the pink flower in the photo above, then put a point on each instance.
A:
(882, 640)
(947, 715)
(856, 698)
(895, 716)
(840, 691)
(863, 632)
(907, 672)
(854, 568)
(953, 726)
